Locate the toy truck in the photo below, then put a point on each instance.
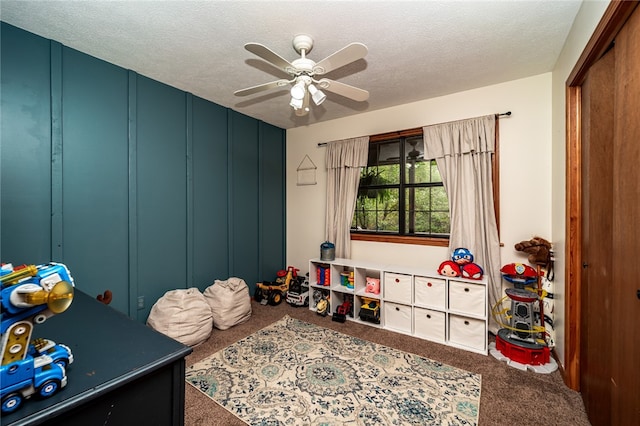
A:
(40, 372)
(29, 296)
(323, 307)
(370, 310)
(298, 294)
(345, 308)
(273, 292)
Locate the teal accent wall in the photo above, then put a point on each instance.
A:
(25, 150)
(271, 197)
(139, 187)
(94, 176)
(243, 133)
(210, 184)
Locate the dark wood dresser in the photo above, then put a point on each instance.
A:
(124, 373)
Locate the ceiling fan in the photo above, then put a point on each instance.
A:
(303, 72)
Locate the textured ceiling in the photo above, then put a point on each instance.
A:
(417, 49)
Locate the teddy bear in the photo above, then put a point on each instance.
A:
(538, 249)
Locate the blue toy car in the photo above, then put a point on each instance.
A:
(29, 295)
(41, 372)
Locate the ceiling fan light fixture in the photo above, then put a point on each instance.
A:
(297, 91)
(317, 95)
(296, 103)
(303, 70)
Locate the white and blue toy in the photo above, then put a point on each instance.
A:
(29, 296)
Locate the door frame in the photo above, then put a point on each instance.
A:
(612, 21)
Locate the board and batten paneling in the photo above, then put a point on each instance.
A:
(161, 187)
(243, 203)
(139, 187)
(95, 174)
(272, 201)
(210, 193)
(25, 149)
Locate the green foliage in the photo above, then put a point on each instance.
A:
(426, 210)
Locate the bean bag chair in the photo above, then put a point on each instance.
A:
(183, 315)
(230, 302)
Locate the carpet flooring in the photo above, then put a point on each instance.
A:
(508, 396)
(297, 373)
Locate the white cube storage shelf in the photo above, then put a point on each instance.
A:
(397, 287)
(397, 317)
(413, 301)
(430, 292)
(429, 324)
(464, 296)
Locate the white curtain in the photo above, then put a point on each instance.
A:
(345, 159)
(463, 151)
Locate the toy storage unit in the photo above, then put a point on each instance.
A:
(414, 301)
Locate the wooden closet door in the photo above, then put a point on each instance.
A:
(625, 304)
(597, 241)
(610, 302)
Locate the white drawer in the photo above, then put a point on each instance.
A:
(397, 317)
(429, 292)
(467, 298)
(428, 324)
(397, 287)
(467, 332)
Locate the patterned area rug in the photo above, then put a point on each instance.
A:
(295, 373)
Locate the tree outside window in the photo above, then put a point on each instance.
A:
(400, 193)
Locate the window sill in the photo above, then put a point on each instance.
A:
(437, 242)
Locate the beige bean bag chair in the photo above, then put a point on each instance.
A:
(183, 315)
(230, 302)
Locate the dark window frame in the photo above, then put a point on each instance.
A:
(427, 240)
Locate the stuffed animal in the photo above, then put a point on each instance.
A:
(105, 297)
(538, 249)
(471, 271)
(373, 285)
(463, 258)
(449, 268)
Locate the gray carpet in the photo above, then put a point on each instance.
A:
(509, 396)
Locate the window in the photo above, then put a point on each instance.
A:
(401, 194)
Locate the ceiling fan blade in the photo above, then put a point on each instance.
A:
(342, 57)
(343, 89)
(262, 87)
(268, 55)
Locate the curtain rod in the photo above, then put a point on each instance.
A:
(508, 114)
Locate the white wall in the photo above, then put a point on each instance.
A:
(532, 163)
(525, 168)
(586, 21)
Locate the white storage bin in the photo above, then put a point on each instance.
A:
(468, 332)
(430, 292)
(467, 298)
(397, 287)
(397, 317)
(428, 324)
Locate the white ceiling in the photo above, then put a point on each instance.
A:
(417, 49)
